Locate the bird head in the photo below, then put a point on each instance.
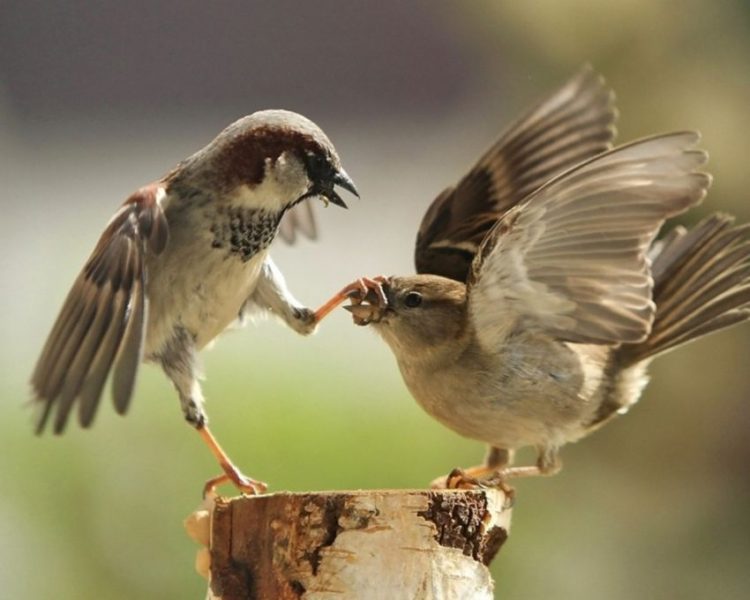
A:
(271, 160)
(420, 312)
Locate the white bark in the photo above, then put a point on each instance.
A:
(415, 544)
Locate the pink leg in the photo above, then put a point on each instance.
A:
(356, 290)
(231, 473)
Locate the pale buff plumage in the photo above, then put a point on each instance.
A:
(537, 308)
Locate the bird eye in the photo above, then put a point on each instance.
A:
(413, 299)
(317, 165)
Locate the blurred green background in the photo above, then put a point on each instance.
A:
(97, 100)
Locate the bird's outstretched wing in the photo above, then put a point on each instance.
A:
(572, 259)
(573, 124)
(101, 326)
(298, 219)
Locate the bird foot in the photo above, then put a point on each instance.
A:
(356, 291)
(246, 485)
(368, 300)
(369, 289)
(458, 479)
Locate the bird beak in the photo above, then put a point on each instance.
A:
(324, 188)
(341, 179)
(364, 314)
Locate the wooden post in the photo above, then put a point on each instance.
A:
(416, 544)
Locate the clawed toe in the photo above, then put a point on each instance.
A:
(251, 487)
(244, 484)
(357, 291)
(458, 479)
(498, 481)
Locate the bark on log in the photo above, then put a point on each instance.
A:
(415, 544)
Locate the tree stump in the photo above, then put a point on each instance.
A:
(415, 544)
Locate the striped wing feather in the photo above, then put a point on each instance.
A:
(572, 260)
(701, 285)
(101, 326)
(573, 124)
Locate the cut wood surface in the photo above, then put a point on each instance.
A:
(390, 544)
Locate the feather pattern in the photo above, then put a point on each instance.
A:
(572, 259)
(103, 319)
(573, 124)
(702, 284)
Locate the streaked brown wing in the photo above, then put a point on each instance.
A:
(701, 283)
(300, 218)
(571, 261)
(573, 124)
(101, 326)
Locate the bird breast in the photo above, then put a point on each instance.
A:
(530, 392)
(208, 270)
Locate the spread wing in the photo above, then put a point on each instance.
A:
(573, 124)
(101, 326)
(300, 218)
(572, 260)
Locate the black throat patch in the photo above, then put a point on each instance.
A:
(244, 231)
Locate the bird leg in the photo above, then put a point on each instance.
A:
(482, 475)
(179, 361)
(547, 463)
(231, 473)
(495, 472)
(356, 291)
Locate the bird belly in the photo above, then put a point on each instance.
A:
(532, 394)
(198, 289)
(503, 419)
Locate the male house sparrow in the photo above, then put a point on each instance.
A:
(536, 310)
(181, 260)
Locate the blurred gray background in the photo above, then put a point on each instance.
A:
(96, 100)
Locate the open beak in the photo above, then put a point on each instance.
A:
(341, 179)
(324, 188)
(364, 314)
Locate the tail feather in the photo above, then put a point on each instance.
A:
(701, 285)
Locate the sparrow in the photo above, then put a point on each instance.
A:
(182, 259)
(541, 296)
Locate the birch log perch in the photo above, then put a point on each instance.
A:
(415, 544)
